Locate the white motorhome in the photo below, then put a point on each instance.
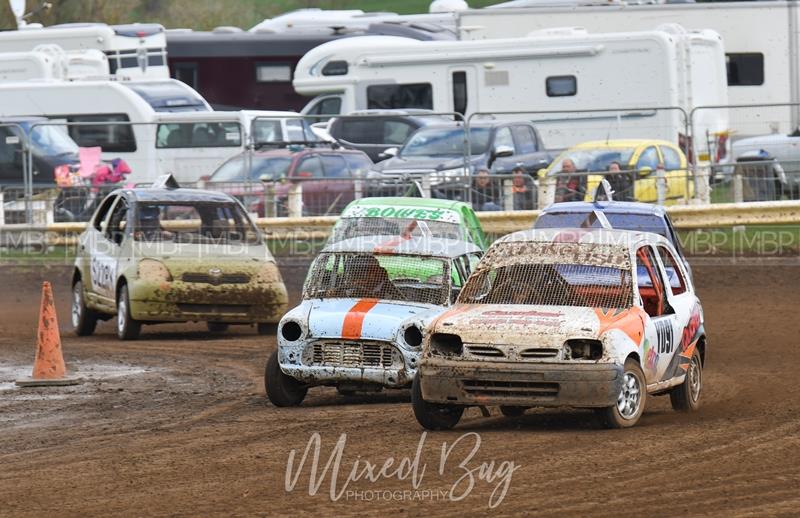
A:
(118, 116)
(762, 44)
(557, 73)
(134, 51)
(51, 62)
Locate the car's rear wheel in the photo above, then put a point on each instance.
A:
(433, 416)
(686, 396)
(217, 327)
(84, 320)
(631, 400)
(512, 411)
(127, 327)
(282, 390)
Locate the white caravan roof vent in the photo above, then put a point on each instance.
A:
(447, 6)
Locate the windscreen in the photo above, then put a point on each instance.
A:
(242, 169)
(406, 278)
(167, 96)
(372, 226)
(552, 274)
(51, 140)
(620, 221)
(193, 223)
(445, 142)
(594, 159)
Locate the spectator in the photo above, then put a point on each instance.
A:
(569, 186)
(485, 193)
(523, 189)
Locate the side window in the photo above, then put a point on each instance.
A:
(396, 132)
(111, 137)
(359, 164)
(357, 131)
(672, 160)
(561, 86)
(185, 72)
(676, 281)
(295, 132)
(326, 107)
(198, 134)
(10, 149)
(335, 166)
(267, 130)
(101, 213)
(526, 142)
(745, 69)
(117, 222)
(460, 92)
(310, 167)
(651, 287)
(649, 159)
(415, 95)
(504, 138)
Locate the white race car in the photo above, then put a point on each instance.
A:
(366, 302)
(566, 317)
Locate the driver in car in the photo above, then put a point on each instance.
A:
(369, 279)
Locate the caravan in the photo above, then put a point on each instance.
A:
(561, 77)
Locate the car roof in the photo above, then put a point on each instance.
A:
(266, 151)
(408, 201)
(610, 144)
(628, 239)
(629, 207)
(390, 245)
(149, 194)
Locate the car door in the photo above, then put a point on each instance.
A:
(646, 165)
(662, 329)
(339, 189)
(679, 183)
(105, 252)
(527, 146)
(90, 241)
(310, 176)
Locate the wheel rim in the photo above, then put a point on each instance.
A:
(122, 309)
(76, 305)
(695, 379)
(629, 396)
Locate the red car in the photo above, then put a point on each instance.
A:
(327, 177)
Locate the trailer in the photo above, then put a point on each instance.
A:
(575, 85)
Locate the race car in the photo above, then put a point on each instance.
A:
(566, 317)
(366, 302)
(167, 254)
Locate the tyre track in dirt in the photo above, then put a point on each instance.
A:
(209, 443)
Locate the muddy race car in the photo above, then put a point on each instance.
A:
(168, 254)
(566, 317)
(366, 303)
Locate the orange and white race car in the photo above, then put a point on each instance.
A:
(591, 318)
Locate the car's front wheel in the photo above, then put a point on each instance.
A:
(512, 411)
(282, 390)
(433, 416)
(686, 396)
(84, 320)
(127, 327)
(631, 399)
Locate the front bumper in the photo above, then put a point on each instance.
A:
(396, 368)
(520, 383)
(179, 301)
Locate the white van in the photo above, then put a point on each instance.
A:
(192, 145)
(563, 70)
(134, 51)
(118, 116)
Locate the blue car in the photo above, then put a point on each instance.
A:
(620, 215)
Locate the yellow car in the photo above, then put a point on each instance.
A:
(639, 160)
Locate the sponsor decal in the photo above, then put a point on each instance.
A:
(448, 216)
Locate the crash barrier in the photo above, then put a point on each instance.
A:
(317, 229)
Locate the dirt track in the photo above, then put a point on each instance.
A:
(177, 423)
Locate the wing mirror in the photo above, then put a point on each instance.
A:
(645, 171)
(389, 152)
(503, 151)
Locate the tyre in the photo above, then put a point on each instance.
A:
(631, 400)
(84, 320)
(433, 416)
(217, 327)
(127, 327)
(512, 411)
(282, 390)
(686, 396)
(265, 329)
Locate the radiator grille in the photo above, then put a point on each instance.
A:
(225, 278)
(527, 389)
(351, 354)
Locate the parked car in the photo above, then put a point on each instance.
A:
(410, 217)
(366, 303)
(50, 146)
(327, 176)
(765, 150)
(437, 153)
(638, 159)
(621, 215)
(566, 317)
(163, 254)
(375, 131)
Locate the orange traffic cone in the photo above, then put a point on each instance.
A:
(48, 368)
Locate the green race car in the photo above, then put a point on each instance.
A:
(156, 255)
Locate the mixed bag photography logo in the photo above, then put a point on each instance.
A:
(330, 468)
